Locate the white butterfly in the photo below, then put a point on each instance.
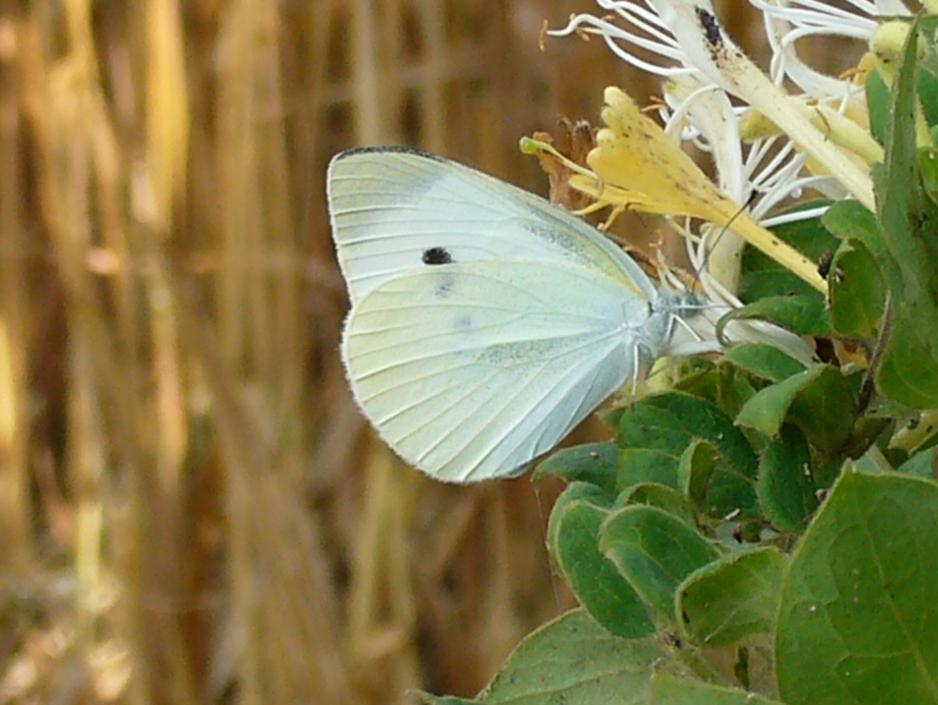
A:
(486, 323)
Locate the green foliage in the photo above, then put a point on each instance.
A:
(908, 371)
(657, 431)
(820, 400)
(574, 660)
(654, 551)
(767, 531)
(592, 462)
(877, 99)
(667, 689)
(787, 487)
(857, 289)
(858, 617)
(765, 361)
(800, 313)
(732, 597)
(923, 464)
(572, 536)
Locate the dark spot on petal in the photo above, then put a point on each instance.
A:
(437, 255)
(710, 27)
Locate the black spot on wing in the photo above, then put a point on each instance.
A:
(436, 255)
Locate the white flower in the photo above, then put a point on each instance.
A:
(689, 41)
(642, 29)
(789, 21)
(710, 89)
(761, 175)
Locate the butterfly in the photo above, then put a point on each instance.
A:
(485, 322)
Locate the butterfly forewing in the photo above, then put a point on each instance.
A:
(395, 210)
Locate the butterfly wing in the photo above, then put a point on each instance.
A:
(394, 210)
(471, 370)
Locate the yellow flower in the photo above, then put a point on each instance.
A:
(636, 166)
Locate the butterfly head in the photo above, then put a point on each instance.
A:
(681, 304)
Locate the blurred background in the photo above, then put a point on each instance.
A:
(192, 510)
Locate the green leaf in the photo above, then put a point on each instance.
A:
(732, 598)
(592, 462)
(762, 277)
(667, 689)
(857, 291)
(870, 463)
(858, 616)
(654, 495)
(695, 470)
(928, 167)
(431, 699)
(804, 314)
(574, 661)
(654, 551)
(820, 401)
(765, 361)
(850, 220)
(637, 465)
(923, 464)
(672, 421)
(722, 385)
(877, 101)
(908, 371)
(572, 535)
(786, 488)
(825, 410)
(766, 411)
(928, 91)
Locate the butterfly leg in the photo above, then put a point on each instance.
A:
(635, 369)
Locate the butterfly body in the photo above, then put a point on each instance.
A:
(485, 322)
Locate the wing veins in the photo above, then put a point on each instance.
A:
(508, 403)
(444, 353)
(568, 374)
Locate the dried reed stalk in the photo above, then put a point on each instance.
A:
(177, 442)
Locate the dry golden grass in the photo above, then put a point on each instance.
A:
(191, 508)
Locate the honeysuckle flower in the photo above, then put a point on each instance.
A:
(760, 174)
(789, 21)
(688, 38)
(768, 147)
(636, 166)
(756, 170)
(840, 129)
(833, 150)
(642, 29)
(715, 54)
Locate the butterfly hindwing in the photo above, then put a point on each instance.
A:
(471, 370)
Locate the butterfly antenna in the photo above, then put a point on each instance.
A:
(707, 250)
